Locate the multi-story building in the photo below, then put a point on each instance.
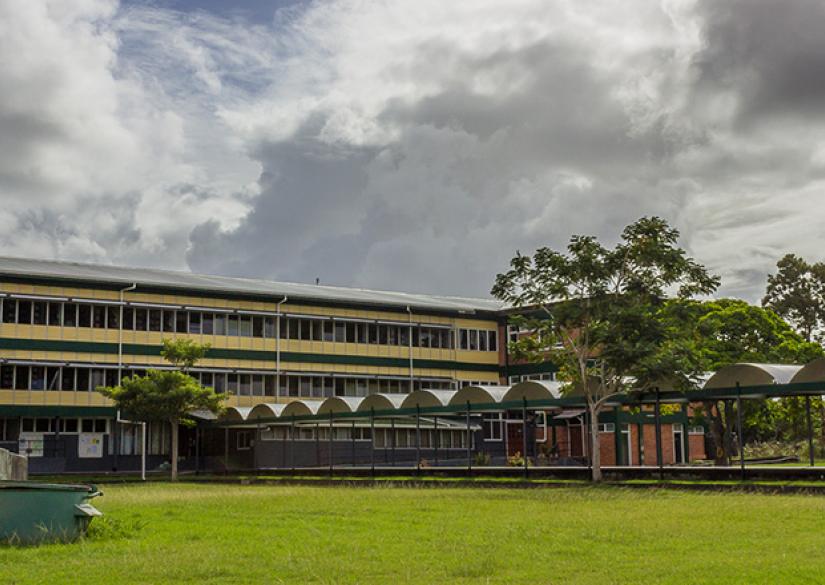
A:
(68, 328)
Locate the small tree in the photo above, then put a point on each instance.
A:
(596, 312)
(167, 395)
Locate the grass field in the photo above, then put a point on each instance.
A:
(209, 533)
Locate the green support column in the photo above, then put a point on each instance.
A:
(686, 435)
(618, 436)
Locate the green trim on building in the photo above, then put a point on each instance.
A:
(533, 368)
(242, 354)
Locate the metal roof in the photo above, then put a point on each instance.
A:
(188, 281)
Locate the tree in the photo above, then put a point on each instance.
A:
(727, 331)
(797, 294)
(597, 312)
(167, 395)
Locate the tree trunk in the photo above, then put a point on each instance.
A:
(717, 431)
(174, 453)
(595, 444)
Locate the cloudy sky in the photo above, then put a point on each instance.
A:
(408, 145)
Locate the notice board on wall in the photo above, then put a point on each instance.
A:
(90, 445)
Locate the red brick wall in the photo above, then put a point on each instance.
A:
(607, 441)
(697, 447)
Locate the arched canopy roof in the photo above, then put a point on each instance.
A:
(382, 402)
(751, 375)
(266, 411)
(301, 408)
(336, 404)
(811, 372)
(237, 413)
(533, 390)
(479, 395)
(426, 398)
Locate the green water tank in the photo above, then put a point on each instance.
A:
(34, 513)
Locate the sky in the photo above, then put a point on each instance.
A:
(405, 145)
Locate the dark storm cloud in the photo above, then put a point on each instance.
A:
(770, 54)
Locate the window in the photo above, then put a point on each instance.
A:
(473, 339)
(67, 379)
(113, 317)
(141, 319)
(181, 322)
(696, 430)
(21, 381)
(68, 425)
(494, 426)
(208, 323)
(293, 328)
(155, 319)
(194, 323)
(482, 340)
(9, 311)
(94, 425)
(39, 312)
(607, 427)
(6, 377)
(245, 326)
(220, 324)
(340, 331)
(98, 316)
(83, 379)
(169, 321)
(465, 336)
(305, 330)
(269, 327)
(55, 312)
(492, 342)
(244, 440)
(24, 312)
(257, 326)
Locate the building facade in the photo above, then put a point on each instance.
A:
(66, 329)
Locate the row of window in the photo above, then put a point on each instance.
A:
(547, 376)
(64, 426)
(101, 316)
(403, 438)
(86, 379)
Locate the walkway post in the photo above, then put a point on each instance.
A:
(317, 445)
(658, 418)
(330, 443)
(810, 430)
(283, 450)
(417, 439)
(392, 432)
(469, 442)
(292, 444)
(739, 437)
(524, 432)
(372, 442)
(225, 450)
(353, 443)
(435, 438)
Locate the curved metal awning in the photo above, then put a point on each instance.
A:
(811, 372)
(268, 410)
(479, 395)
(301, 408)
(426, 398)
(382, 402)
(751, 375)
(337, 404)
(236, 413)
(533, 390)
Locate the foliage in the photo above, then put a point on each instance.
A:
(517, 460)
(162, 395)
(776, 449)
(183, 353)
(597, 312)
(481, 458)
(797, 293)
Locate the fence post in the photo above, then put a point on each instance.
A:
(330, 443)
(469, 442)
(417, 439)
(658, 417)
(352, 437)
(372, 442)
(524, 432)
(435, 438)
(292, 443)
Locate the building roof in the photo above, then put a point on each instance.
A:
(187, 281)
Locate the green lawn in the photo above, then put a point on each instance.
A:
(207, 533)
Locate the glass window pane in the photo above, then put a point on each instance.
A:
(194, 322)
(129, 318)
(155, 318)
(22, 380)
(257, 326)
(55, 313)
(9, 311)
(208, 323)
(169, 320)
(98, 316)
(141, 319)
(232, 326)
(39, 313)
(113, 317)
(306, 330)
(83, 379)
(245, 324)
(181, 325)
(220, 324)
(67, 382)
(24, 312)
(84, 315)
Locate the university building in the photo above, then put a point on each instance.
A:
(68, 328)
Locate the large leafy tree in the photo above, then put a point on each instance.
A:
(597, 311)
(797, 293)
(167, 395)
(727, 331)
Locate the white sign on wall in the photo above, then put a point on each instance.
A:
(31, 444)
(90, 445)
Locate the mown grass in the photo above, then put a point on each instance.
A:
(209, 533)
